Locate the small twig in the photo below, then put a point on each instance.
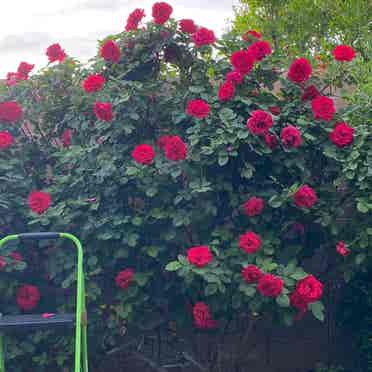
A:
(149, 361)
(190, 359)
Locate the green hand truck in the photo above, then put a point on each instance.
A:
(77, 320)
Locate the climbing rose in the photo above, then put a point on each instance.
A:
(203, 36)
(271, 141)
(250, 242)
(323, 108)
(188, 26)
(343, 53)
(162, 140)
(143, 154)
(2, 262)
(260, 122)
(305, 197)
(247, 36)
(342, 249)
(124, 278)
(93, 83)
(310, 93)
(226, 91)
(12, 78)
(309, 289)
(6, 140)
(299, 303)
(251, 274)
(16, 256)
(242, 61)
(199, 256)
(259, 50)
(103, 111)
(110, 51)
(198, 108)
(66, 137)
(300, 70)
(10, 111)
(202, 316)
(28, 296)
(39, 201)
(291, 136)
(275, 110)
(24, 69)
(55, 53)
(270, 285)
(175, 149)
(235, 77)
(253, 206)
(134, 19)
(161, 12)
(342, 135)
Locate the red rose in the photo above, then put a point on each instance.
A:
(188, 26)
(251, 274)
(310, 289)
(275, 110)
(323, 108)
(203, 36)
(28, 296)
(2, 262)
(342, 135)
(39, 201)
(271, 141)
(199, 256)
(300, 70)
(342, 249)
(55, 53)
(250, 242)
(93, 83)
(161, 12)
(251, 34)
(198, 108)
(12, 78)
(202, 316)
(16, 256)
(24, 69)
(310, 93)
(10, 111)
(143, 154)
(6, 140)
(242, 61)
(162, 140)
(124, 278)
(226, 91)
(305, 197)
(235, 77)
(103, 111)
(259, 50)
(260, 122)
(291, 136)
(253, 206)
(134, 19)
(344, 53)
(110, 51)
(299, 303)
(175, 149)
(66, 137)
(270, 285)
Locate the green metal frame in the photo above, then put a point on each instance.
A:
(81, 341)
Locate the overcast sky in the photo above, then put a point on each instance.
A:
(28, 27)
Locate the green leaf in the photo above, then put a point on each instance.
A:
(211, 289)
(283, 300)
(298, 274)
(248, 290)
(317, 308)
(362, 207)
(222, 160)
(173, 266)
(275, 201)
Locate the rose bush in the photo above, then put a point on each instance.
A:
(166, 158)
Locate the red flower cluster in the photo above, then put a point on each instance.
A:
(93, 83)
(270, 285)
(143, 154)
(203, 36)
(271, 141)
(242, 61)
(341, 249)
(103, 111)
(55, 53)
(310, 93)
(134, 19)
(291, 136)
(249, 35)
(226, 91)
(198, 108)
(10, 111)
(202, 316)
(250, 242)
(188, 26)
(300, 70)
(6, 140)
(110, 51)
(305, 197)
(124, 278)
(199, 256)
(253, 206)
(174, 148)
(66, 137)
(344, 53)
(323, 108)
(235, 77)
(161, 12)
(28, 296)
(39, 201)
(342, 135)
(259, 50)
(24, 69)
(260, 122)
(16, 256)
(252, 274)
